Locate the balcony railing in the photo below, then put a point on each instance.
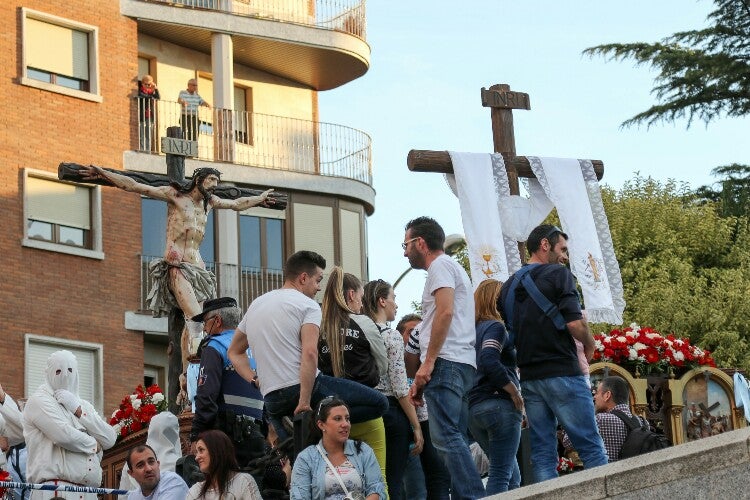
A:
(253, 281)
(339, 15)
(261, 140)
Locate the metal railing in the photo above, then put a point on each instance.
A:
(348, 16)
(253, 281)
(261, 140)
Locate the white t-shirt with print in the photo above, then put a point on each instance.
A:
(272, 324)
(445, 272)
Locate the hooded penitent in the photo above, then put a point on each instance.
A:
(62, 371)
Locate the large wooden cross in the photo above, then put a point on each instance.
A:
(501, 101)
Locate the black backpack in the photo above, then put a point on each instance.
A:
(640, 439)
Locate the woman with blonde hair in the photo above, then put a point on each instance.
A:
(401, 423)
(350, 347)
(495, 402)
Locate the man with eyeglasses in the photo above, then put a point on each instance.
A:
(191, 100)
(223, 399)
(553, 385)
(448, 358)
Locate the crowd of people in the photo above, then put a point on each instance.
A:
(375, 412)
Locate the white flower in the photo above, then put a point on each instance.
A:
(136, 404)
(133, 397)
(679, 356)
(639, 346)
(157, 398)
(632, 354)
(632, 334)
(622, 339)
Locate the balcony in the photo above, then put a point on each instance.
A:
(265, 141)
(252, 282)
(318, 43)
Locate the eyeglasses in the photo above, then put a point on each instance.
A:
(324, 403)
(406, 243)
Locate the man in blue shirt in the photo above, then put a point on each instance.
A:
(223, 399)
(153, 484)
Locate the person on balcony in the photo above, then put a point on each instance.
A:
(224, 400)
(148, 94)
(64, 434)
(180, 279)
(190, 100)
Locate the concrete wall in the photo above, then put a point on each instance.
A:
(711, 468)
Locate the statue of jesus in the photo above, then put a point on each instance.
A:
(180, 279)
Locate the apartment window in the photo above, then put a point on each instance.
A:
(154, 230)
(62, 216)
(243, 127)
(89, 356)
(59, 55)
(261, 249)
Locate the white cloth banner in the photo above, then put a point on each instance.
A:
(491, 255)
(573, 188)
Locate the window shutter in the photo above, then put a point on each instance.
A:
(56, 49)
(58, 202)
(351, 243)
(313, 230)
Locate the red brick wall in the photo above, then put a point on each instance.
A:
(50, 293)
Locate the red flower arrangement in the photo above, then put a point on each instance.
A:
(137, 409)
(4, 476)
(565, 465)
(644, 349)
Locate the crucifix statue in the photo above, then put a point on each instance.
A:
(180, 279)
(502, 101)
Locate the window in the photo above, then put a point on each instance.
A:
(243, 128)
(59, 55)
(89, 356)
(261, 241)
(62, 216)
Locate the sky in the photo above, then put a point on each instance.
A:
(430, 60)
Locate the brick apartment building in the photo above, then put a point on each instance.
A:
(74, 256)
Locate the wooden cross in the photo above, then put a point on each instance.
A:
(501, 101)
(176, 149)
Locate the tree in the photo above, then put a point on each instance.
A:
(685, 268)
(703, 73)
(733, 194)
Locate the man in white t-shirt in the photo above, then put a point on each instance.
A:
(448, 358)
(282, 329)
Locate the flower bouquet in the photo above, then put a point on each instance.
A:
(644, 350)
(565, 465)
(137, 409)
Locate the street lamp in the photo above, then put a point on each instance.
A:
(453, 243)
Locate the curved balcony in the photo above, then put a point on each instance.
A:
(259, 140)
(318, 43)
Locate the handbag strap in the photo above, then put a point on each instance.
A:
(333, 469)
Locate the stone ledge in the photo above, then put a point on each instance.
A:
(659, 474)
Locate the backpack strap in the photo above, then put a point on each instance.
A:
(550, 310)
(631, 421)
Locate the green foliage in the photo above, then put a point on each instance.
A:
(685, 268)
(733, 192)
(702, 73)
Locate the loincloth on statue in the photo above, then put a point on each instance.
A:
(160, 299)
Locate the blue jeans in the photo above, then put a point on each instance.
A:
(398, 435)
(413, 482)
(364, 403)
(496, 425)
(568, 401)
(448, 406)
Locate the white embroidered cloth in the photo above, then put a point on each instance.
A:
(573, 188)
(491, 255)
